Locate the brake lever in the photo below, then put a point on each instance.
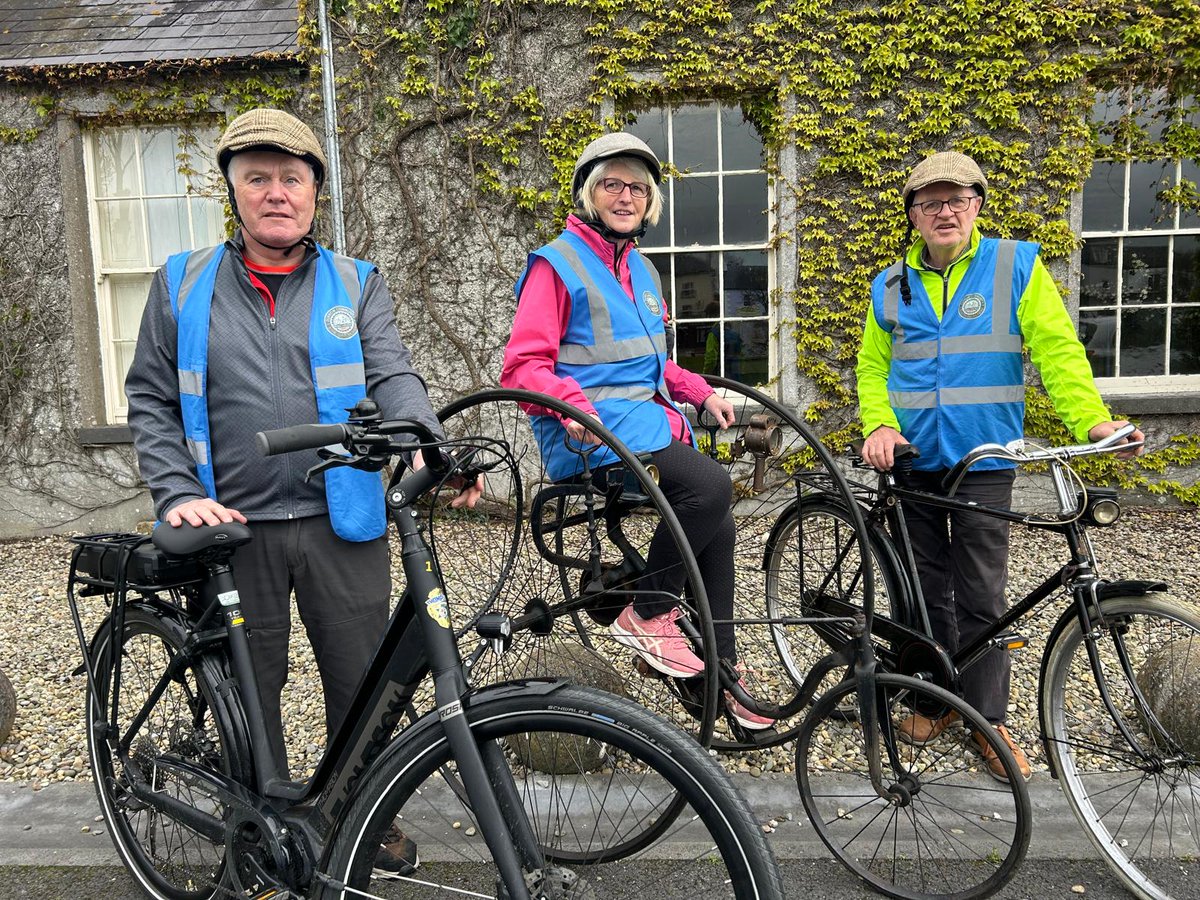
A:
(329, 462)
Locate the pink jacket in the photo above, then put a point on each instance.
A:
(543, 311)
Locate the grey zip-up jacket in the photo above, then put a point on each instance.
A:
(259, 378)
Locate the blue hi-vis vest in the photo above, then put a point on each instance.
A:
(354, 498)
(959, 382)
(615, 348)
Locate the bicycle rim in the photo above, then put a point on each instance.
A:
(619, 804)
(955, 832)
(527, 551)
(169, 860)
(1143, 815)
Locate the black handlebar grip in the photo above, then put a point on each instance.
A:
(299, 437)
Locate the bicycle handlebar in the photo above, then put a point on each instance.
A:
(300, 437)
(362, 439)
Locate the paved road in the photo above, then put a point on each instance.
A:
(51, 847)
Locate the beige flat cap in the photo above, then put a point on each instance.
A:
(949, 165)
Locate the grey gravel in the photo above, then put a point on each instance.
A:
(39, 650)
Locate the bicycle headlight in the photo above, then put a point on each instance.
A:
(1103, 509)
(763, 437)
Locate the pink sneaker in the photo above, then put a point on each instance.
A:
(658, 641)
(743, 716)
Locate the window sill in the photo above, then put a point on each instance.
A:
(104, 435)
(1149, 404)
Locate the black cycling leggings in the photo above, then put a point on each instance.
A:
(700, 493)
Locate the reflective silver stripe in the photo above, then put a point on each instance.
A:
(622, 391)
(983, 343)
(1002, 285)
(190, 382)
(196, 263)
(913, 349)
(891, 290)
(1001, 393)
(912, 399)
(616, 351)
(348, 272)
(199, 451)
(342, 375)
(604, 347)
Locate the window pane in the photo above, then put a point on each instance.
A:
(662, 262)
(741, 147)
(1151, 111)
(116, 163)
(168, 228)
(696, 285)
(121, 235)
(693, 349)
(745, 209)
(696, 210)
(208, 221)
(1098, 273)
(651, 127)
(746, 283)
(1103, 197)
(203, 175)
(124, 359)
(659, 235)
(695, 131)
(160, 148)
(1185, 341)
(1190, 217)
(1098, 334)
(1185, 281)
(746, 351)
(1144, 276)
(128, 300)
(1143, 339)
(1146, 181)
(1109, 108)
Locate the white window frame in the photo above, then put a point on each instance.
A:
(113, 375)
(1118, 384)
(673, 249)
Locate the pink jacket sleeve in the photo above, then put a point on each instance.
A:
(542, 313)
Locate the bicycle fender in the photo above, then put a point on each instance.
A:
(1126, 588)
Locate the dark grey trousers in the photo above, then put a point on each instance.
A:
(343, 591)
(962, 563)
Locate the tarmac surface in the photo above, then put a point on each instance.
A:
(52, 846)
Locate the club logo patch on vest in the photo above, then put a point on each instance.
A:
(339, 322)
(652, 303)
(971, 306)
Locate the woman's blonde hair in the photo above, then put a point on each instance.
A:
(641, 172)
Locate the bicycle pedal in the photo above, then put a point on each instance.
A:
(1009, 641)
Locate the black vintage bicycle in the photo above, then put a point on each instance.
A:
(911, 821)
(1116, 699)
(533, 789)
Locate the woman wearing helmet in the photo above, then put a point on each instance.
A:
(592, 329)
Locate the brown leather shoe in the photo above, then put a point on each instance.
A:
(920, 730)
(994, 766)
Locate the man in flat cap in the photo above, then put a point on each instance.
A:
(266, 331)
(941, 368)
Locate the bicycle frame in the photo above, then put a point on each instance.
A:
(418, 641)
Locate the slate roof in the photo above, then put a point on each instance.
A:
(78, 32)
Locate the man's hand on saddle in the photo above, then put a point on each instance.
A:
(202, 511)
(1104, 429)
(879, 448)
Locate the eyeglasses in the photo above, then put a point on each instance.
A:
(616, 185)
(932, 208)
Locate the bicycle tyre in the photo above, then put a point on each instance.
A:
(958, 834)
(490, 560)
(1140, 815)
(193, 720)
(626, 760)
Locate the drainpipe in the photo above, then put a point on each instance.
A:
(329, 98)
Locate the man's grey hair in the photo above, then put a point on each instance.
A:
(654, 203)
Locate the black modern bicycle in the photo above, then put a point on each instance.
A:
(919, 821)
(1117, 709)
(534, 789)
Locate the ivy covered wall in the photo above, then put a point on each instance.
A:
(460, 120)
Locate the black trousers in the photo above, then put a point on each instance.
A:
(700, 493)
(962, 564)
(343, 591)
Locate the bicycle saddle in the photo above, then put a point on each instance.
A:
(189, 540)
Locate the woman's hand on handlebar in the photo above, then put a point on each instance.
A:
(468, 493)
(879, 448)
(1104, 429)
(578, 432)
(721, 410)
(202, 511)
